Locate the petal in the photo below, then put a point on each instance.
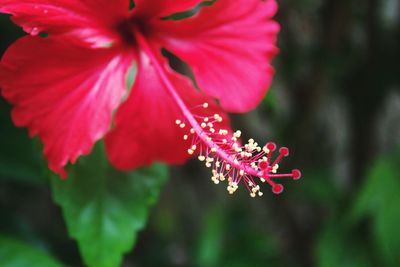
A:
(64, 94)
(162, 8)
(90, 21)
(229, 46)
(145, 129)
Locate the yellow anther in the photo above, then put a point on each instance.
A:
(178, 122)
(205, 105)
(201, 158)
(192, 131)
(182, 125)
(203, 125)
(237, 134)
(185, 137)
(190, 152)
(223, 132)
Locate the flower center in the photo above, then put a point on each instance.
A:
(220, 149)
(127, 28)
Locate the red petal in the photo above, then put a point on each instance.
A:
(145, 129)
(92, 21)
(162, 8)
(63, 93)
(229, 47)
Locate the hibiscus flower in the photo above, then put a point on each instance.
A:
(73, 87)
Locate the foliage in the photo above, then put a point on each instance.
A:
(14, 253)
(104, 208)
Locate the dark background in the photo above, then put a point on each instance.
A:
(335, 102)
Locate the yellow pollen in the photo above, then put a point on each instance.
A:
(237, 134)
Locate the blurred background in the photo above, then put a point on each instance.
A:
(335, 102)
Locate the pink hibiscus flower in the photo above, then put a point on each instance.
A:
(71, 88)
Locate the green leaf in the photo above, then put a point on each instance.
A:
(270, 100)
(14, 253)
(130, 78)
(211, 237)
(379, 199)
(104, 209)
(338, 246)
(19, 159)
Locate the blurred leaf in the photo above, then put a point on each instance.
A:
(338, 246)
(189, 13)
(379, 199)
(19, 159)
(104, 208)
(14, 253)
(130, 79)
(318, 188)
(211, 238)
(270, 100)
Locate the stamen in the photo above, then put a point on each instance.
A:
(228, 158)
(220, 149)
